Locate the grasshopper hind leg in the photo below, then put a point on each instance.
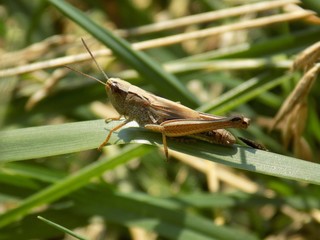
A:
(165, 146)
(159, 128)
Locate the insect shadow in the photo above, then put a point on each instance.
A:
(138, 134)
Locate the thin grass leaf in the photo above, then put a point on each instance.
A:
(61, 228)
(30, 227)
(39, 173)
(152, 72)
(243, 93)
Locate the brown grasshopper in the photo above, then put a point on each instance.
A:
(161, 115)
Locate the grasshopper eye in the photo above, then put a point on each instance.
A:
(236, 119)
(115, 87)
(114, 84)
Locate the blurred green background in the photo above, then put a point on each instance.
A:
(52, 169)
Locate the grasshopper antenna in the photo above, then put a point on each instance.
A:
(95, 61)
(86, 75)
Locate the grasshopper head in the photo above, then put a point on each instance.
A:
(240, 121)
(117, 91)
(117, 86)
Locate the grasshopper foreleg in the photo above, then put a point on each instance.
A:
(111, 131)
(112, 119)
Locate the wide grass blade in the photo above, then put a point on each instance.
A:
(47, 141)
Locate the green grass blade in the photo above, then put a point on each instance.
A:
(71, 183)
(129, 209)
(61, 228)
(154, 214)
(167, 84)
(44, 141)
(73, 137)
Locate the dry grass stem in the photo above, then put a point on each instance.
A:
(311, 19)
(307, 58)
(193, 162)
(52, 63)
(141, 234)
(206, 17)
(302, 149)
(215, 65)
(34, 51)
(293, 112)
(298, 95)
(49, 84)
(292, 131)
(298, 218)
(248, 24)
(212, 176)
(230, 64)
(315, 213)
(221, 173)
(237, 181)
(165, 41)
(180, 179)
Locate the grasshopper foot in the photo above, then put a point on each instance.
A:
(112, 119)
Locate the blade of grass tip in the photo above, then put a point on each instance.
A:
(253, 160)
(166, 83)
(61, 228)
(71, 183)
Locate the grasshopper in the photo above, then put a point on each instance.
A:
(169, 118)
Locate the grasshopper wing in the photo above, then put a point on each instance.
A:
(167, 110)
